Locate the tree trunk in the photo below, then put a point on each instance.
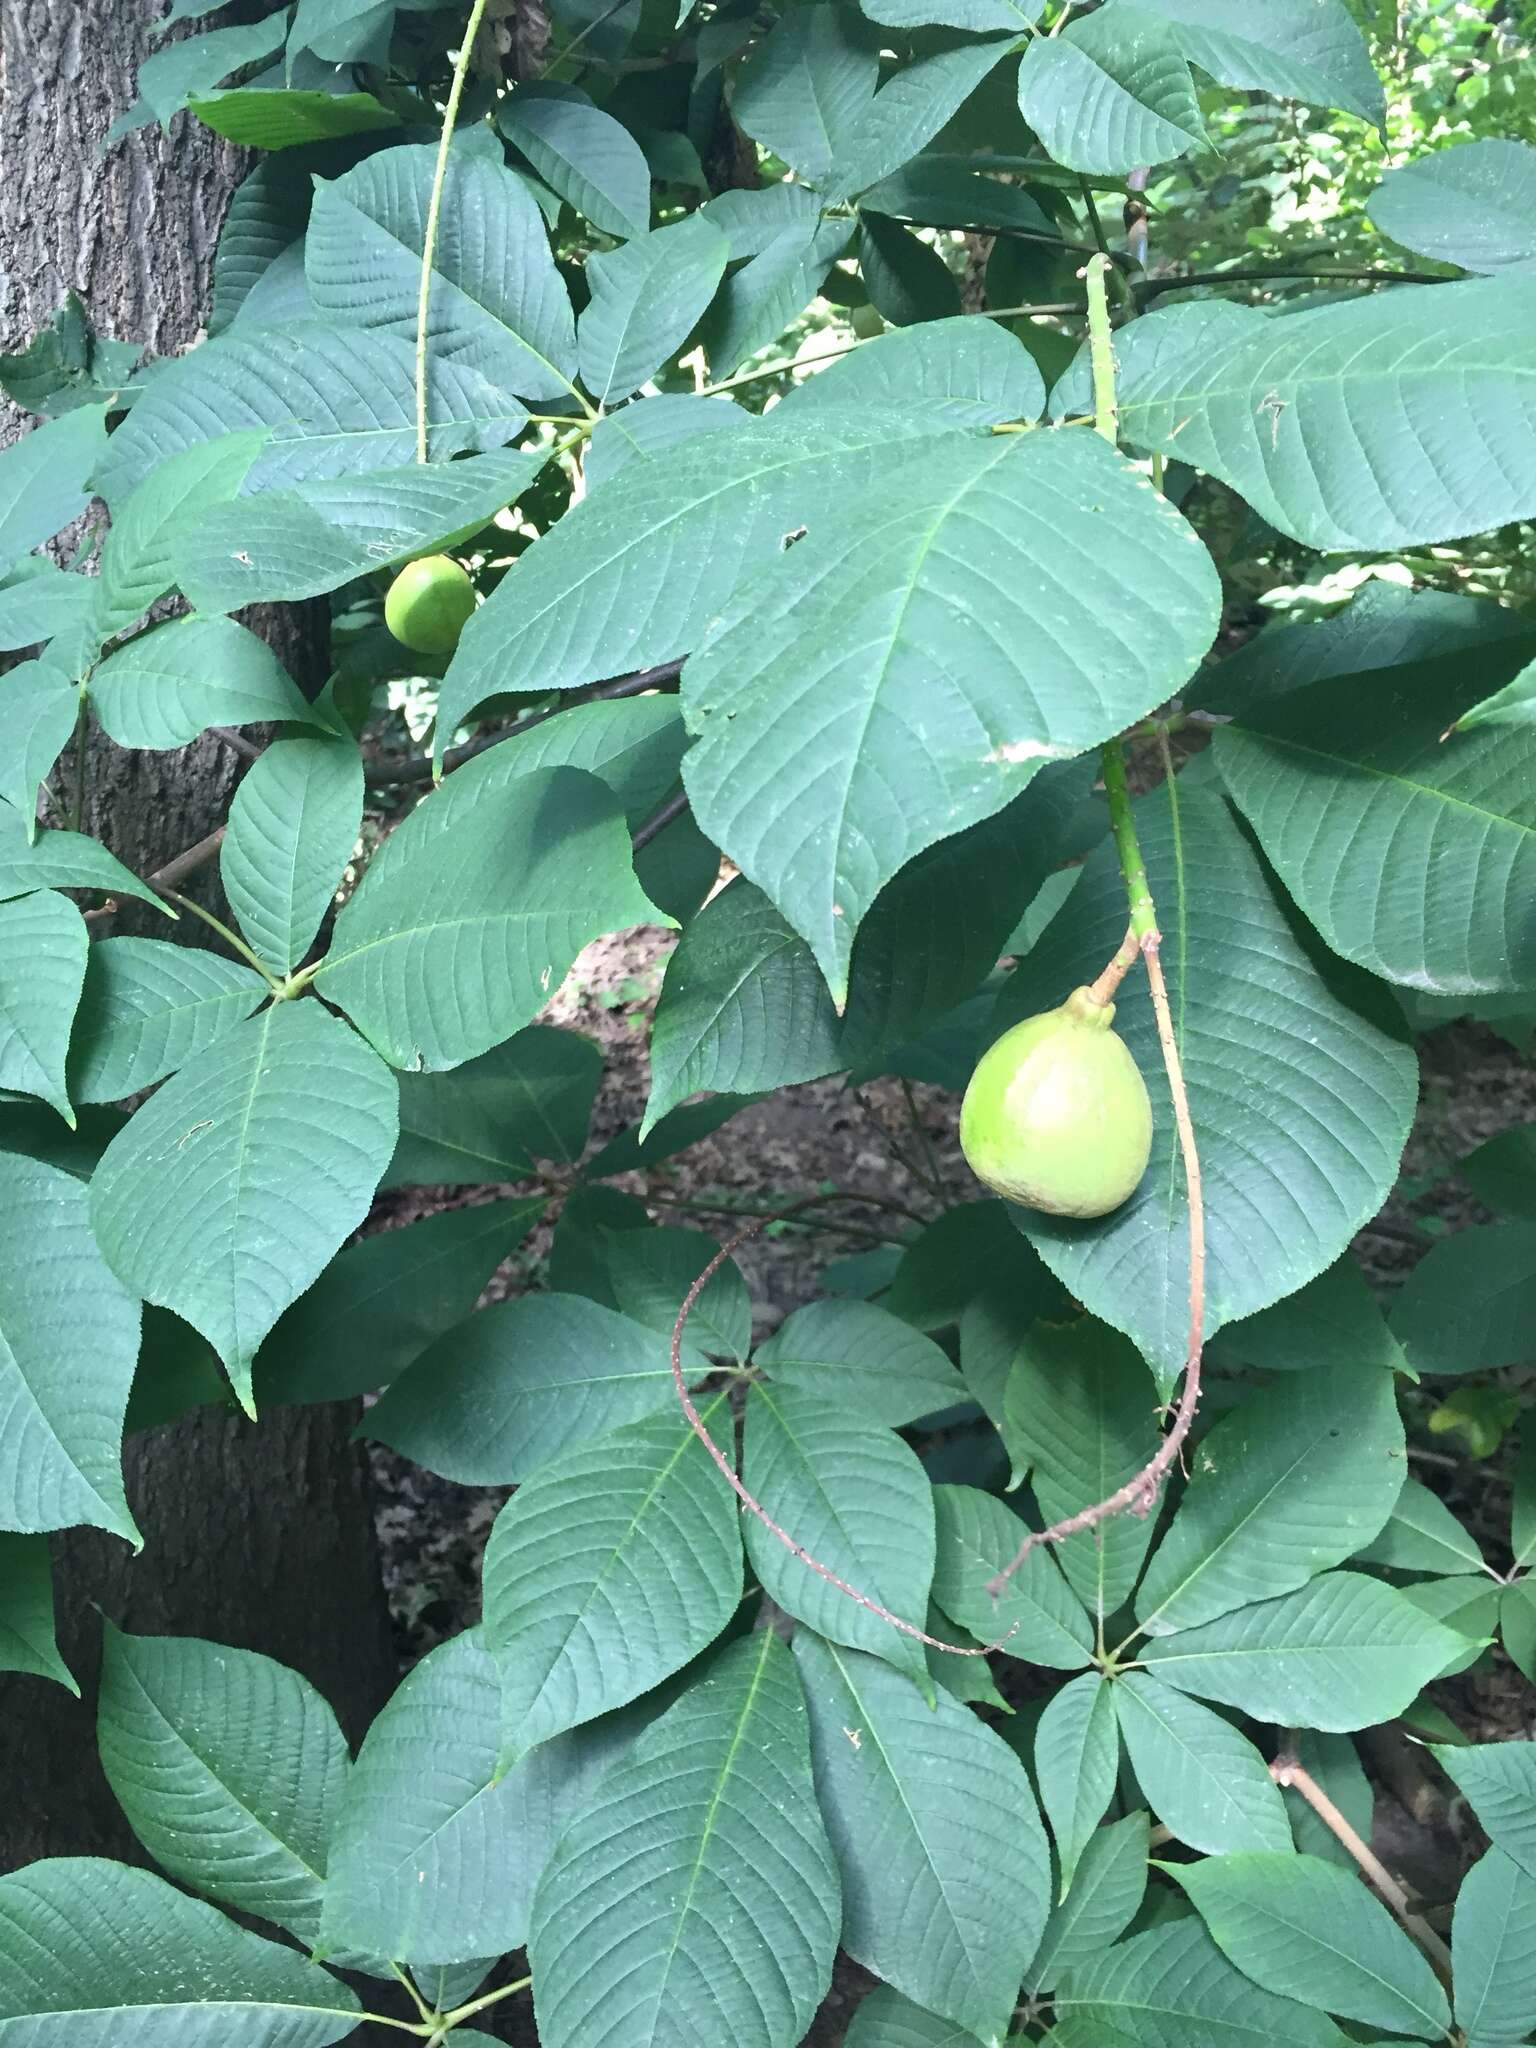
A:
(255, 1535)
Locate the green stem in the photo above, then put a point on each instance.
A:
(230, 938)
(1101, 349)
(461, 2013)
(1123, 824)
(434, 208)
(417, 2000)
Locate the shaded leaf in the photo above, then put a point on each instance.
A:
(292, 827)
(27, 1640)
(1493, 1951)
(43, 949)
(1077, 1761)
(1422, 1535)
(147, 1008)
(1467, 1304)
(582, 153)
(863, 1359)
(1106, 1894)
(1034, 1617)
(647, 297)
(525, 1100)
(1499, 1781)
(168, 685)
(1206, 1783)
(136, 557)
(44, 479)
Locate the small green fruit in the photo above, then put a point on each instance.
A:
(428, 605)
(1057, 1115)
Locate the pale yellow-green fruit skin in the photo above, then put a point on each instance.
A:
(1057, 1115)
(428, 605)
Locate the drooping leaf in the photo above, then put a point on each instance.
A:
(1470, 204)
(474, 908)
(606, 1572)
(506, 1391)
(137, 563)
(1204, 1780)
(806, 85)
(865, 1360)
(102, 1952)
(268, 119)
(1493, 1952)
(1106, 1893)
(1466, 1306)
(43, 949)
(1035, 1616)
(851, 710)
(380, 1304)
(44, 479)
(945, 1869)
(147, 1008)
(1295, 1478)
(168, 685)
(1080, 1411)
(1418, 853)
(647, 297)
(1111, 91)
(228, 1192)
(436, 1850)
(284, 545)
(715, 1803)
(292, 827)
(528, 1099)
(582, 153)
(853, 1495)
(1308, 1930)
(229, 1767)
(1499, 1781)
(497, 303)
(338, 401)
(1309, 50)
(27, 1640)
(1332, 423)
(1077, 1760)
(1300, 1084)
(1343, 1652)
(1171, 1987)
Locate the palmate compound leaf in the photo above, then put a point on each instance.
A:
(473, 909)
(1203, 1779)
(855, 1496)
(497, 304)
(69, 1338)
(945, 1869)
(606, 1572)
(519, 1383)
(1400, 418)
(1301, 1084)
(437, 1849)
(633, 574)
(230, 1768)
(1343, 1652)
(1310, 1931)
(1297, 1477)
(228, 1192)
(1172, 1987)
(1113, 90)
(696, 1898)
(337, 401)
(92, 1952)
(1418, 853)
(865, 695)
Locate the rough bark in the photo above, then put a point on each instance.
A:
(259, 1536)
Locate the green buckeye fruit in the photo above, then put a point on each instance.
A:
(428, 605)
(1056, 1115)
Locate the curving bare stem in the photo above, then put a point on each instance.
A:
(755, 1507)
